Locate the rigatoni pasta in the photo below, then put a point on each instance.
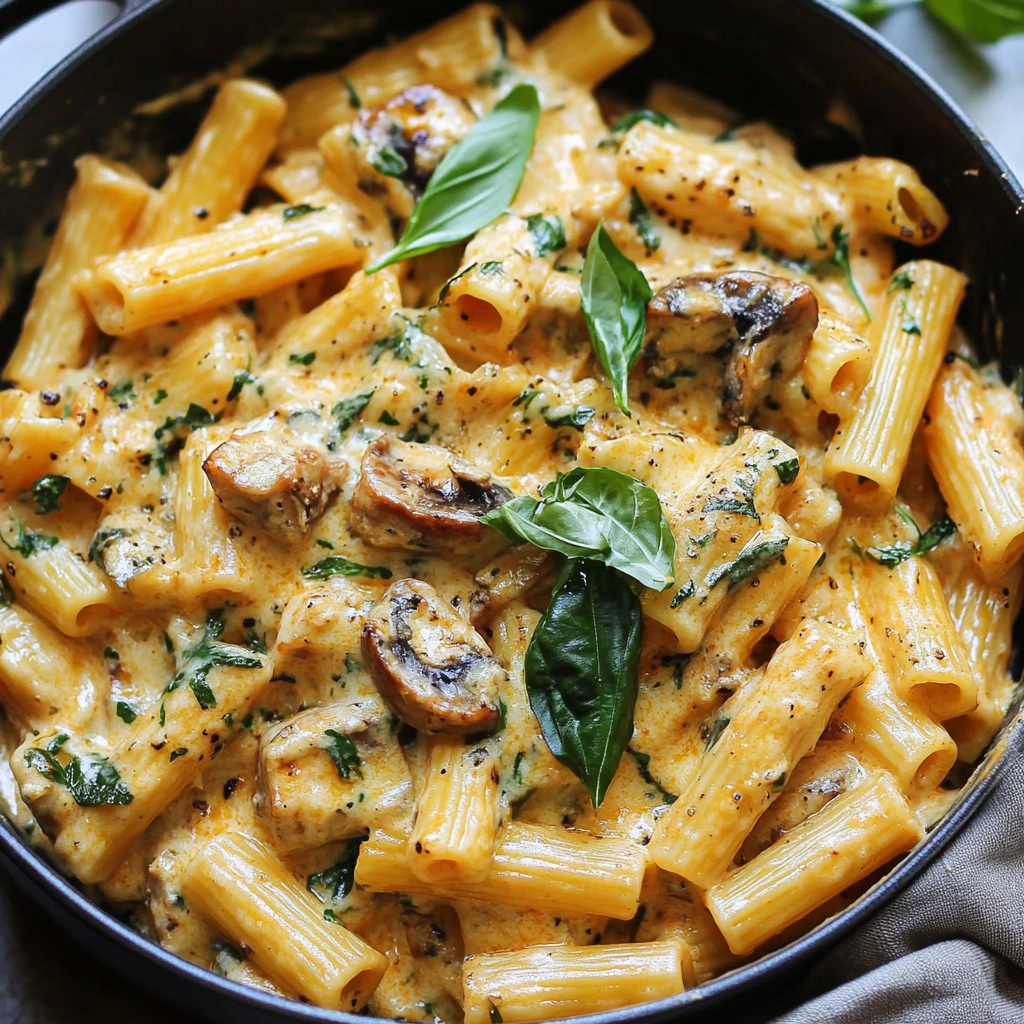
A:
(543, 623)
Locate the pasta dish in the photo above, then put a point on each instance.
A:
(475, 549)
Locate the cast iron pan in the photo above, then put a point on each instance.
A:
(785, 60)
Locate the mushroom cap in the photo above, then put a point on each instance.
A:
(760, 324)
(413, 495)
(432, 668)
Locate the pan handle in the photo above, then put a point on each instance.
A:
(15, 13)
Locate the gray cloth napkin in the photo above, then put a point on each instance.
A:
(950, 948)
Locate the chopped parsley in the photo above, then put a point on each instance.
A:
(27, 543)
(640, 218)
(206, 654)
(126, 712)
(91, 779)
(344, 753)
(901, 282)
(891, 555)
(346, 410)
(389, 162)
(299, 210)
(335, 565)
(302, 358)
(46, 492)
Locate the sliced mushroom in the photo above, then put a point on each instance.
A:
(761, 324)
(431, 666)
(274, 476)
(514, 573)
(413, 495)
(407, 138)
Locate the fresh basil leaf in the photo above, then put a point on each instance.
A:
(548, 233)
(347, 409)
(788, 471)
(581, 671)
(344, 753)
(91, 779)
(984, 21)
(299, 210)
(641, 219)
(614, 297)
(475, 182)
(901, 282)
(891, 555)
(596, 513)
(624, 123)
(242, 378)
(47, 491)
(208, 653)
(333, 884)
(909, 324)
(126, 712)
(726, 502)
(194, 417)
(577, 418)
(758, 553)
(335, 565)
(841, 258)
(27, 543)
(642, 766)
(389, 162)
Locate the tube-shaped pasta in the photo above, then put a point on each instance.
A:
(456, 813)
(744, 621)
(727, 188)
(889, 197)
(167, 747)
(452, 55)
(886, 730)
(297, 177)
(251, 255)
(912, 620)
(59, 585)
(553, 981)
(837, 366)
(44, 674)
(979, 466)
(869, 450)
(983, 614)
(218, 170)
(247, 891)
(29, 439)
(538, 866)
(487, 303)
(594, 41)
(100, 210)
(844, 842)
(766, 730)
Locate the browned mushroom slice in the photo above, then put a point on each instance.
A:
(761, 324)
(276, 479)
(414, 495)
(431, 666)
(407, 138)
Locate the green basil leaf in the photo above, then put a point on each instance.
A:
(335, 565)
(576, 418)
(984, 21)
(344, 753)
(788, 471)
(627, 121)
(90, 778)
(641, 219)
(475, 182)
(581, 671)
(758, 553)
(333, 884)
(938, 531)
(206, 654)
(389, 162)
(299, 210)
(548, 233)
(126, 712)
(596, 513)
(614, 297)
(27, 543)
(346, 410)
(47, 491)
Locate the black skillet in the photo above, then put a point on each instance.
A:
(782, 59)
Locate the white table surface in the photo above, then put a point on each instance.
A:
(44, 977)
